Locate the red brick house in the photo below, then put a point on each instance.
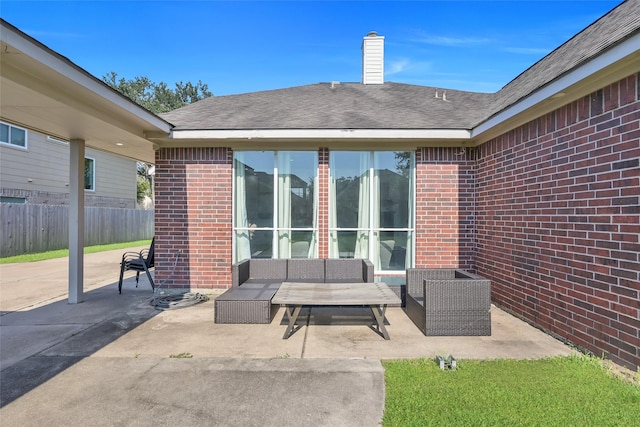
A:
(536, 187)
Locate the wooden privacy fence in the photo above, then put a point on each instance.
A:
(39, 228)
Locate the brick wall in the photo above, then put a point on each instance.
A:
(323, 203)
(445, 185)
(558, 221)
(193, 214)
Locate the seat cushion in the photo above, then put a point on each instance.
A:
(242, 293)
(268, 269)
(347, 270)
(261, 284)
(305, 270)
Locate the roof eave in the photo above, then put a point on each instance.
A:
(309, 138)
(45, 92)
(612, 65)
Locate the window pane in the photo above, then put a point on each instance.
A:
(4, 133)
(350, 171)
(301, 243)
(254, 191)
(296, 176)
(392, 249)
(261, 243)
(349, 244)
(89, 174)
(8, 199)
(18, 137)
(393, 170)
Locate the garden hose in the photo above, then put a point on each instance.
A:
(166, 301)
(169, 302)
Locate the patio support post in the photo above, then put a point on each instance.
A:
(76, 221)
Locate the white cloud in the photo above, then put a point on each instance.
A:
(527, 50)
(395, 67)
(450, 41)
(406, 66)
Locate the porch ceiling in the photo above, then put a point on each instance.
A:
(44, 91)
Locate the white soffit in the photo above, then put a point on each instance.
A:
(399, 134)
(46, 92)
(65, 67)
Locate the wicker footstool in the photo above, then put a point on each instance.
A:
(250, 304)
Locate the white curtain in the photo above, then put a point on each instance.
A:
(284, 204)
(334, 249)
(243, 241)
(313, 245)
(376, 217)
(408, 261)
(364, 206)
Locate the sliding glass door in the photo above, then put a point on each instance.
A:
(371, 207)
(275, 214)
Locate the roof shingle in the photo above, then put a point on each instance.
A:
(336, 106)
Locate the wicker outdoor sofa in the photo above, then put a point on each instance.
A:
(448, 302)
(255, 282)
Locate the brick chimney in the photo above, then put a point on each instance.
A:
(373, 59)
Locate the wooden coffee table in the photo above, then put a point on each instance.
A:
(294, 295)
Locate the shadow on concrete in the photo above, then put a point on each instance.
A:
(40, 342)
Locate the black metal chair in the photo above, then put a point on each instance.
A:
(138, 262)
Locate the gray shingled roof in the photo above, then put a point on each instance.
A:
(613, 28)
(336, 106)
(396, 105)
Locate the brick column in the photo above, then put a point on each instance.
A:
(323, 203)
(193, 194)
(445, 208)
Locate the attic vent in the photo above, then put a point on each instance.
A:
(334, 84)
(373, 59)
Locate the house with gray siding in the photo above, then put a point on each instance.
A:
(34, 169)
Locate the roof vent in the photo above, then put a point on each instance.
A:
(373, 59)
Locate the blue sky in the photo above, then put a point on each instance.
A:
(245, 46)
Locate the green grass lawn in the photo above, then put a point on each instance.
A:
(65, 252)
(563, 391)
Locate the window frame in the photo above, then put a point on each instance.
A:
(275, 227)
(373, 233)
(93, 175)
(9, 143)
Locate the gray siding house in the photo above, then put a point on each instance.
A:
(34, 169)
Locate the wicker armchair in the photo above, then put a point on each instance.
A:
(448, 302)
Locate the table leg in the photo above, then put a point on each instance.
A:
(293, 317)
(378, 313)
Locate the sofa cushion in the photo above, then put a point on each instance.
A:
(268, 269)
(247, 293)
(305, 270)
(344, 270)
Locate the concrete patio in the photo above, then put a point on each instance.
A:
(115, 359)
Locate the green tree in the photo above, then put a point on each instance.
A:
(157, 98)
(144, 181)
